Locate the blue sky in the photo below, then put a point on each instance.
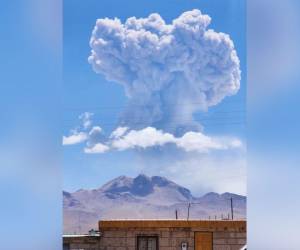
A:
(86, 91)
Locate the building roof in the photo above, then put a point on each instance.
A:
(106, 224)
(80, 235)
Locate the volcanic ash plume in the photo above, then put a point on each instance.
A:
(169, 71)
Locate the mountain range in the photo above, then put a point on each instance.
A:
(144, 197)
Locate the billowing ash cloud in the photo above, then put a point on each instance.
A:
(169, 71)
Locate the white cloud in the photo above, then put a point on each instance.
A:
(196, 141)
(123, 139)
(236, 143)
(95, 136)
(190, 141)
(95, 131)
(98, 148)
(86, 119)
(75, 138)
(147, 137)
(118, 132)
(92, 137)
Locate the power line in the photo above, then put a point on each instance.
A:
(189, 204)
(206, 117)
(148, 106)
(238, 123)
(224, 115)
(183, 120)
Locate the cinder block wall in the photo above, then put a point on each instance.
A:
(82, 242)
(122, 235)
(229, 240)
(170, 238)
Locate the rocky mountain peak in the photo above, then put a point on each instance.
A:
(144, 197)
(142, 185)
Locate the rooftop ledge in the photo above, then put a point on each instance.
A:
(172, 223)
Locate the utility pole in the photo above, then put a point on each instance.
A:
(176, 214)
(79, 226)
(188, 215)
(231, 208)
